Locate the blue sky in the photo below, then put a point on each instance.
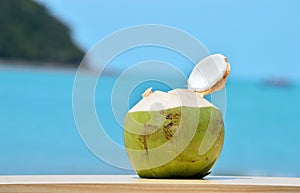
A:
(261, 38)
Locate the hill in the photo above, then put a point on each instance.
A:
(29, 32)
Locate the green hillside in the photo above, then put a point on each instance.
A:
(28, 32)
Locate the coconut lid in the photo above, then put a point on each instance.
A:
(209, 75)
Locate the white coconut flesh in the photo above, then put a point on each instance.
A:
(158, 100)
(209, 75)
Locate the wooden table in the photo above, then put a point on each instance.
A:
(129, 183)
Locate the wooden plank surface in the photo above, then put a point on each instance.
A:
(127, 183)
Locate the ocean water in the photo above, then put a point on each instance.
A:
(38, 134)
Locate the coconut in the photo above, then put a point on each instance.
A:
(178, 134)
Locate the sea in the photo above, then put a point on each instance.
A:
(39, 132)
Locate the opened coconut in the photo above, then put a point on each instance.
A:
(178, 134)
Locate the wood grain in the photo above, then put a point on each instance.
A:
(125, 183)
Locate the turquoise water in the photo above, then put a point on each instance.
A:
(38, 134)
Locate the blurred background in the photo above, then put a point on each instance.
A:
(42, 43)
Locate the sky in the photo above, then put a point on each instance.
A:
(259, 37)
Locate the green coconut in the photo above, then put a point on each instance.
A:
(177, 134)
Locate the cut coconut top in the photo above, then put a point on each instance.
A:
(209, 75)
(158, 100)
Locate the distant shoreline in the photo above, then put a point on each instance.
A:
(37, 63)
(49, 67)
(37, 66)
